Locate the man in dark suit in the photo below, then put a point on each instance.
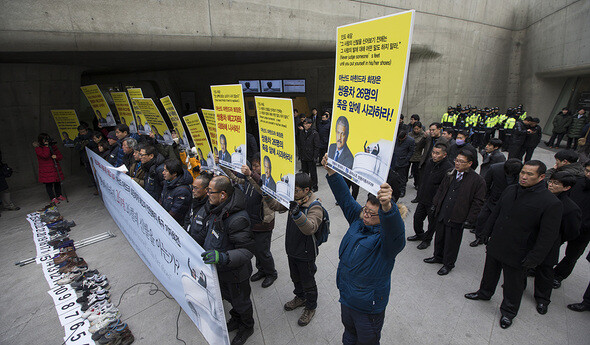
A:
(523, 228)
(491, 155)
(223, 154)
(571, 220)
(456, 205)
(339, 151)
(267, 179)
(498, 177)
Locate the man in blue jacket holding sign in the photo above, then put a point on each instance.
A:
(367, 255)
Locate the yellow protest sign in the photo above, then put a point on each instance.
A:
(277, 147)
(195, 128)
(67, 124)
(372, 60)
(175, 119)
(124, 109)
(154, 121)
(140, 120)
(135, 93)
(228, 102)
(99, 105)
(211, 123)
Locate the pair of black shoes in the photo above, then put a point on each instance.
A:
(505, 321)
(420, 237)
(268, 280)
(243, 333)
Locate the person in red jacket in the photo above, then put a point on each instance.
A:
(50, 172)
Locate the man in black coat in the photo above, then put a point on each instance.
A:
(518, 137)
(462, 144)
(222, 228)
(533, 137)
(523, 228)
(176, 192)
(580, 194)
(434, 170)
(559, 184)
(308, 142)
(403, 151)
(456, 205)
(433, 138)
(585, 304)
(324, 132)
(498, 177)
(491, 155)
(199, 189)
(152, 163)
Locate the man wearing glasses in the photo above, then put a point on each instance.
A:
(456, 205)
(222, 229)
(367, 255)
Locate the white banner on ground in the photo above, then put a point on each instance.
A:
(165, 247)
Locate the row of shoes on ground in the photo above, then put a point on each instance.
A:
(104, 317)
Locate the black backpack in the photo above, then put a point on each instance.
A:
(323, 232)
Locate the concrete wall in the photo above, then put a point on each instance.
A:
(27, 93)
(556, 44)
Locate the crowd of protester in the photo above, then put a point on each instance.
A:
(522, 211)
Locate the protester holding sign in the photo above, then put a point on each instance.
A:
(222, 228)
(176, 192)
(305, 218)
(367, 255)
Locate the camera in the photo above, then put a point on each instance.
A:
(51, 141)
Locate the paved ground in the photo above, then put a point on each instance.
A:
(424, 308)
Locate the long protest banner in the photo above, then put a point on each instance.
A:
(154, 121)
(211, 123)
(165, 247)
(140, 120)
(124, 109)
(195, 128)
(175, 119)
(277, 147)
(228, 101)
(372, 61)
(67, 124)
(99, 105)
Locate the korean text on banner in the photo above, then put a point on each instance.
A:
(99, 105)
(140, 120)
(67, 124)
(154, 121)
(228, 101)
(165, 247)
(372, 60)
(211, 123)
(175, 119)
(124, 109)
(277, 147)
(195, 127)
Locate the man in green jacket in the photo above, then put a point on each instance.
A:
(561, 123)
(576, 128)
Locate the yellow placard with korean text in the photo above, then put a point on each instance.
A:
(67, 124)
(175, 119)
(228, 103)
(277, 147)
(197, 132)
(139, 119)
(209, 116)
(154, 121)
(99, 105)
(372, 59)
(124, 109)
